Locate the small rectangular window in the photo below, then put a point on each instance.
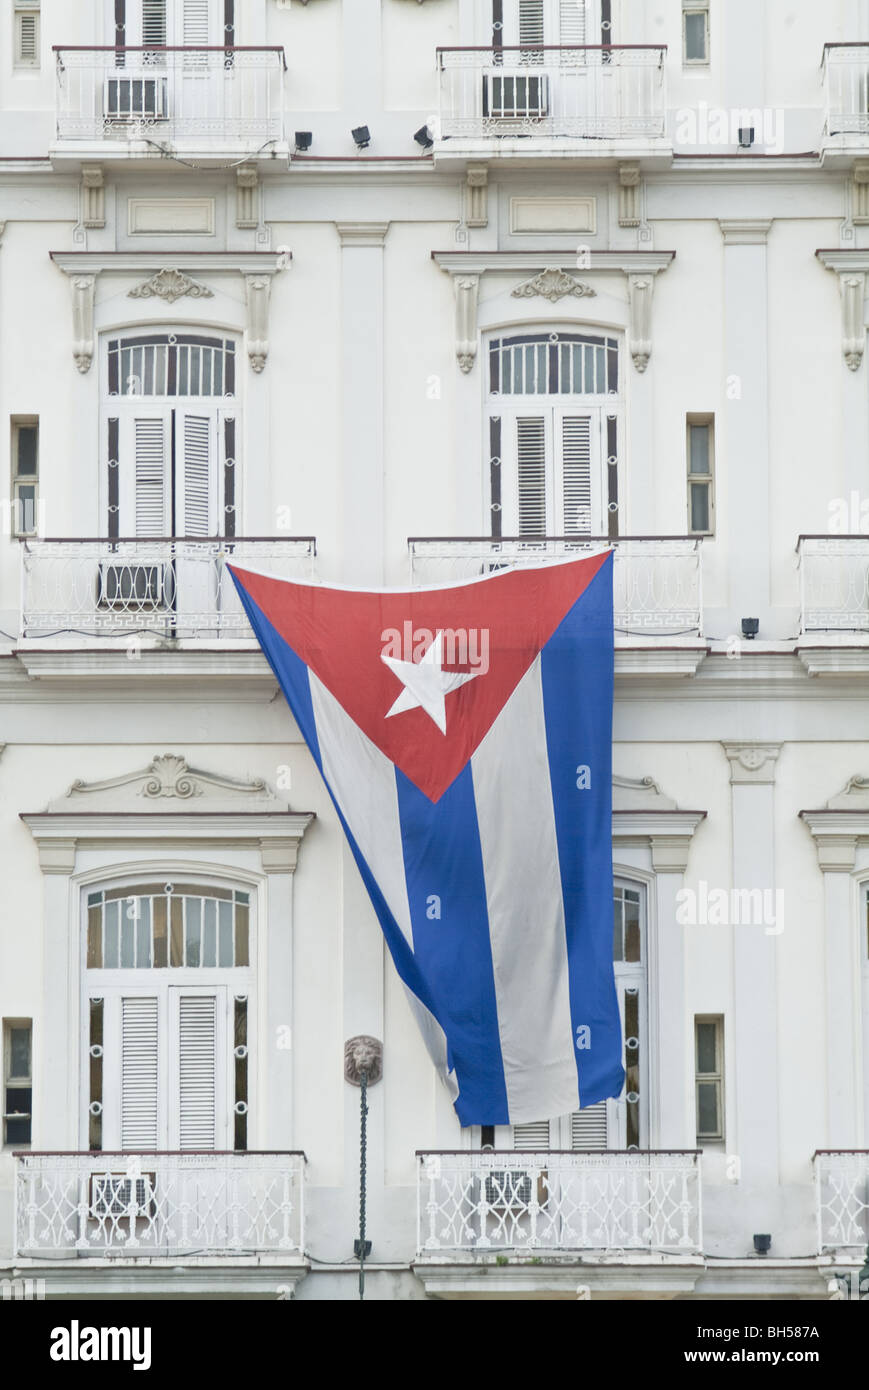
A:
(695, 34)
(25, 19)
(25, 475)
(709, 1078)
(17, 1081)
(701, 474)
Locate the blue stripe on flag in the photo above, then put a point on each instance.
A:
(443, 860)
(577, 675)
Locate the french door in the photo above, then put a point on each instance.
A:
(551, 472)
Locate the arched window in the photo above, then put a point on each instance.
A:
(172, 431)
(553, 419)
(611, 1124)
(167, 1017)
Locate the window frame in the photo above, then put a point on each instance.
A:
(692, 7)
(16, 1083)
(19, 480)
(715, 1078)
(707, 420)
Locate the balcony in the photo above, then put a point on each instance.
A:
(634, 1203)
(845, 74)
(657, 580)
(552, 100)
(126, 101)
(147, 1205)
(161, 588)
(834, 586)
(842, 1200)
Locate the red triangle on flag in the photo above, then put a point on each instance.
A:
(424, 673)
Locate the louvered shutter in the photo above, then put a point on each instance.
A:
(531, 475)
(533, 1137)
(26, 40)
(572, 26)
(197, 1071)
(196, 504)
(154, 23)
(139, 1072)
(531, 23)
(577, 499)
(150, 469)
(195, 26)
(588, 1128)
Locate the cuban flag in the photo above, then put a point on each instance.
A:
(464, 734)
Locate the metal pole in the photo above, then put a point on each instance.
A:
(363, 1142)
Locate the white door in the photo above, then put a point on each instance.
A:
(551, 479)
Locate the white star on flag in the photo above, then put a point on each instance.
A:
(426, 683)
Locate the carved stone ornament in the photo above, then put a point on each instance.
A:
(752, 762)
(467, 288)
(170, 284)
(363, 1054)
(553, 284)
(168, 775)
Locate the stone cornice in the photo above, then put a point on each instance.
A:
(137, 262)
(844, 259)
(744, 231)
(522, 262)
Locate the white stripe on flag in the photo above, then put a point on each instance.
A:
(362, 780)
(526, 912)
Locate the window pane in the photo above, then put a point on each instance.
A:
(160, 933)
(143, 933)
(26, 461)
(225, 943)
(695, 37)
(633, 951)
(698, 452)
(618, 940)
(707, 1060)
(95, 937)
(18, 1101)
(707, 1108)
(241, 933)
(193, 929)
(111, 954)
(129, 920)
(26, 494)
(699, 506)
(209, 933)
(19, 1053)
(176, 931)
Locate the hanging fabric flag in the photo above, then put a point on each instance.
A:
(464, 734)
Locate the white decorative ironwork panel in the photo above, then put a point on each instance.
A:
(834, 587)
(842, 1197)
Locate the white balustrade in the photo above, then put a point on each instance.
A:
(842, 1200)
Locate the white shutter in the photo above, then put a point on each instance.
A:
(533, 1137)
(26, 40)
(139, 1057)
(195, 32)
(196, 506)
(576, 475)
(150, 475)
(531, 475)
(588, 1128)
(572, 22)
(197, 1075)
(531, 22)
(154, 23)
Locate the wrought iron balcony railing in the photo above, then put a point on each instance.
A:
(842, 1199)
(834, 584)
(845, 73)
(162, 588)
(546, 1201)
(217, 96)
(591, 92)
(657, 588)
(158, 1204)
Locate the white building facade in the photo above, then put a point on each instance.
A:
(383, 292)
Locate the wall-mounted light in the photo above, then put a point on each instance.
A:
(362, 136)
(746, 136)
(762, 1244)
(304, 140)
(423, 137)
(750, 628)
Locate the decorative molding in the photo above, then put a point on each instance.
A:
(640, 793)
(82, 287)
(840, 826)
(553, 284)
(851, 268)
(640, 289)
(362, 233)
(629, 195)
(744, 231)
(170, 284)
(467, 291)
(644, 815)
(752, 762)
(93, 196)
(140, 262)
(568, 215)
(363, 1053)
(258, 290)
(477, 196)
(247, 196)
(167, 775)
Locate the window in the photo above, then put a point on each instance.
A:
(709, 1054)
(17, 1081)
(25, 475)
(562, 22)
(171, 435)
(553, 435)
(25, 18)
(611, 1124)
(186, 23)
(701, 472)
(167, 1008)
(695, 33)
